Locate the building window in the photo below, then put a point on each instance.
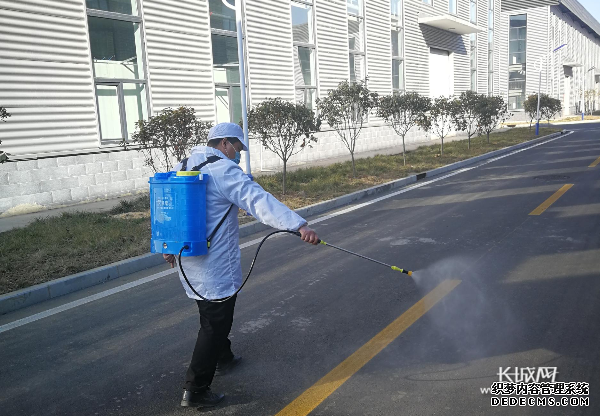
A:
(452, 6)
(226, 67)
(473, 44)
(221, 16)
(116, 43)
(490, 47)
(305, 74)
(517, 60)
(396, 10)
(356, 40)
(397, 46)
(128, 7)
(430, 2)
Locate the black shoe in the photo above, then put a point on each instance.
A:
(205, 398)
(224, 368)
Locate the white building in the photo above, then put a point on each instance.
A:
(77, 74)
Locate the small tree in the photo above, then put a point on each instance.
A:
(491, 112)
(3, 116)
(465, 116)
(403, 112)
(590, 97)
(551, 107)
(443, 113)
(345, 109)
(530, 107)
(169, 135)
(284, 128)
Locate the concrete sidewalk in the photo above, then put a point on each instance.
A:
(17, 221)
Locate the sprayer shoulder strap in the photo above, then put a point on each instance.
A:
(210, 159)
(210, 237)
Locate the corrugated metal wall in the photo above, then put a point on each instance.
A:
(500, 33)
(179, 55)
(509, 6)
(332, 43)
(46, 77)
(537, 47)
(501, 28)
(416, 52)
(379, 51)
(547, 28)
(270, 51)
(419, 40)
(462, 63)
(582, 47)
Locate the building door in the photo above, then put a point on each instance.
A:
(440, 73)
(567, 99)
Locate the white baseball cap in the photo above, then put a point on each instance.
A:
(225, 130)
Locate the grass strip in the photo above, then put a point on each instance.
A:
(53, 247)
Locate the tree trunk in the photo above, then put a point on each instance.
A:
(469, 144)
(442, 146)
(488, 137)
(353, 165)
(403, 150)
(284, 174)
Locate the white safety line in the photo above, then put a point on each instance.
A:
(88, 299)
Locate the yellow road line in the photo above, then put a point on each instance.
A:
(311, 398)
(546, 204)
(595, 163)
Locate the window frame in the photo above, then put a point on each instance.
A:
(455, 11)
(313, 48)
(522, 65)
(397, 25)
(396, 17)
(471, 19)
(361, 54)
(226, 85)
(118, 82)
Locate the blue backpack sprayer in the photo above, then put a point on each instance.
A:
(178, 219)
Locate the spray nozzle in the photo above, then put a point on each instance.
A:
(398, 269)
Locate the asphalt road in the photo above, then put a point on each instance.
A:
(527, 297)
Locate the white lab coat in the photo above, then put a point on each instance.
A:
(219, 273)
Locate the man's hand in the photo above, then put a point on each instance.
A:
(170, 258)
(309, 235)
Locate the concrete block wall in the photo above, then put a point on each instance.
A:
(33, 185)
(329, 146)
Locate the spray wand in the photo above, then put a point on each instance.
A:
(398, 269)
(408, 272)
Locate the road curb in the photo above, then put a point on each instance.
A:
(23, 298)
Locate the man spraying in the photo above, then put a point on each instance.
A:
(218, 274)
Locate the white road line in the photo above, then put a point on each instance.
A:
(88, 299)
(82, 301)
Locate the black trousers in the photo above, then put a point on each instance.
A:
(212, 345)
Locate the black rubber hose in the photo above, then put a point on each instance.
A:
(247, 276)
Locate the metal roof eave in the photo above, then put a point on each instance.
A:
(581, 13)
(450, 23)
